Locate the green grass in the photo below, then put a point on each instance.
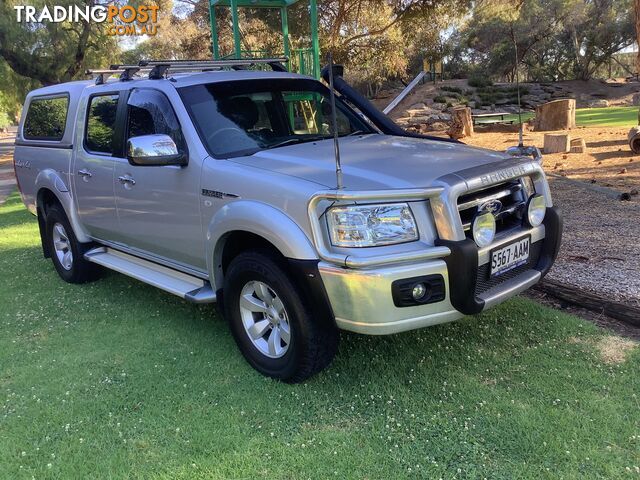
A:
(116, 379)
(594, 117)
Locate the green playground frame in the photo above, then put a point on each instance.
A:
(301, 60)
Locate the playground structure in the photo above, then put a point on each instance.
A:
(304, 60)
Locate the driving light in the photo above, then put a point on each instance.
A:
(419, 290)
(536, 208)
(483, 228)
(371, 225)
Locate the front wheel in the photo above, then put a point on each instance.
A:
(271, 322)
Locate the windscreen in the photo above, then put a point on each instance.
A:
(243, 117)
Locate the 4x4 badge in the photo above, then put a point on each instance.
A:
(216, 194)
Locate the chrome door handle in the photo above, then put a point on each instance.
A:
(85, 173)
(127, 179)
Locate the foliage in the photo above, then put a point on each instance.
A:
(52, 52)
(440, 99)
(556, 39)
(480, 82)
(117, 379)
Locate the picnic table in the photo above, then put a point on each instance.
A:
(498, 117)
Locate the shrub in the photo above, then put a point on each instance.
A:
(5, 121)
(440, 99)
(451, 88)
(479, 82)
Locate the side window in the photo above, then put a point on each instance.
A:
(101, 122)
(150, 112)
(46, 118)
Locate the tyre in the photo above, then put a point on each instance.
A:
(67, 253)
(271, 322)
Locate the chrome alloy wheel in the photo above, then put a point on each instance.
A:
(62, 246)
(265, 319)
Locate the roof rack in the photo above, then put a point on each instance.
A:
(158, 69)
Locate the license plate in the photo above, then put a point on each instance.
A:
(510, 256)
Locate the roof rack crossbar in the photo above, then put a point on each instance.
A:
(126, 72)
(158, 69)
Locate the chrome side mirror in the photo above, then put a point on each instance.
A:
(154, 150)
(522, 151)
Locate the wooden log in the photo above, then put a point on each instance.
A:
(596, 303)
(557, 143)
(634, 139)
(578, 145)
(556, 115)
(461, 123)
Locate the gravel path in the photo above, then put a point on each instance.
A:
(601, 242)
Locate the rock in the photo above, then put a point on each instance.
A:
(578, 145)
(601, 103)
(634, 192)
(593, 180)
(636, 99)
(417, 106)
(622, 172)
(625, 197)
(634, 139)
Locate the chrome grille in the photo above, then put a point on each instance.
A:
(511, 196)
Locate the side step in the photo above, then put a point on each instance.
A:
(190, 288)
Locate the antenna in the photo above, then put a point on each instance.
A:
(334, 125)
(520, 130)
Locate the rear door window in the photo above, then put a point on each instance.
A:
(101, 123)
(46, 118)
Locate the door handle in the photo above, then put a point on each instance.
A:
(126, 179)
(85, 173)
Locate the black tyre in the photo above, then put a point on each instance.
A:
(271, 322)
(66, 252)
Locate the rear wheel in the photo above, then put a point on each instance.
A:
(67, 253)
(271, 322)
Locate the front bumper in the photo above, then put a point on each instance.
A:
(362, 302)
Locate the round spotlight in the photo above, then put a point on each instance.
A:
(536, 208)
(419, 291)
(483, 228)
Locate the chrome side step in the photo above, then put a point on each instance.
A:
(190, 288)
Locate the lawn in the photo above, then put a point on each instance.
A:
(595, 117)
(116, 379)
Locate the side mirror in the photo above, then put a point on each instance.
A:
(154, 150)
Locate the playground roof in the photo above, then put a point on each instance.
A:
(254, 3)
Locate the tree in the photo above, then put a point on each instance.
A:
(556, 39)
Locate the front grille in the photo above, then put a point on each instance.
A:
(484, 282)
(511, 198)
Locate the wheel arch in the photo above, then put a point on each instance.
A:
(52, 188)
(243, 224)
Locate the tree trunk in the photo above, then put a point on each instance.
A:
(637, 12)
(461, 123)
(556, 115)
(557, 143)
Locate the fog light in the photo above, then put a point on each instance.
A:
(536, 208)
(483, 228)
(419, 291)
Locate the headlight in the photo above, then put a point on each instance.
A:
(536, 208)
(483, 228)
(371, 225)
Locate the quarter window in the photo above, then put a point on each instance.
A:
(151, 113)
(46, 118)
(101, 123)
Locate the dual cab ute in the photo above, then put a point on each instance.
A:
(220, 185)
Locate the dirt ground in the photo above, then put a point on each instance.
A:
(608, 161)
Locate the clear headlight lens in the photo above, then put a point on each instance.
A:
(484, 229)
(536, 208)
(371, 225)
